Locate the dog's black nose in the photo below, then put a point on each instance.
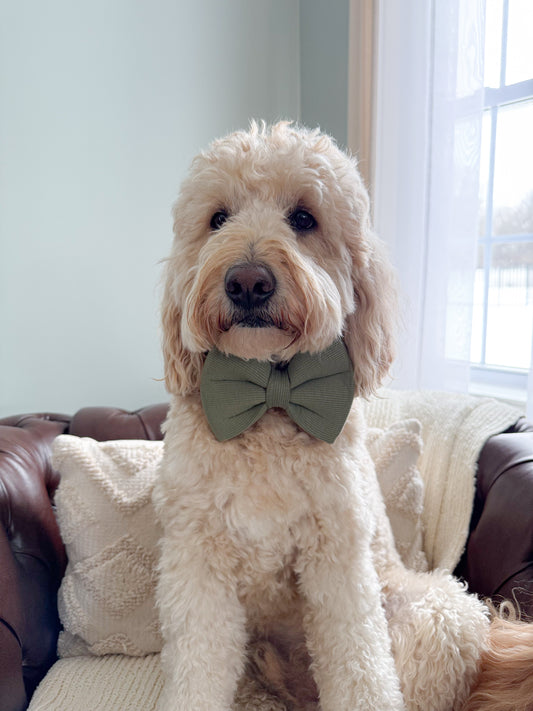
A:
(249, 285)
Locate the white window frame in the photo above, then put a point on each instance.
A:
(509, 384)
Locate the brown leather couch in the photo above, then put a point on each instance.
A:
(498, 560)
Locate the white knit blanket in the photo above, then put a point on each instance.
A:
(454, 429)
(114, 682)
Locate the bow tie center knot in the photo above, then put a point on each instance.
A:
(278, 389)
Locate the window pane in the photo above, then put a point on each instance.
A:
(484, 168)
(476, 345)
(470, 58)
(493, 42)
(513, 173)
(510, 314)
(519, 42)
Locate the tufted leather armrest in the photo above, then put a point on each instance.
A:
(107, 423)
(32, 555)
(498, 559)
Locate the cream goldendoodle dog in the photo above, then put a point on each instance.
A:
(277, 561)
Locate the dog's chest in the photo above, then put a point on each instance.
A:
(267, 501)
(273, 481)
(263, 492)
(266, 519)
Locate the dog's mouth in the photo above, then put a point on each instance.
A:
(251, 320)
(259, 316)
(255, 334)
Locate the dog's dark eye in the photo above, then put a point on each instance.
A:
(218, 219)
(301, 220)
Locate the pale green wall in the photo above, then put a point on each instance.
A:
(324, 28)
(103, 104)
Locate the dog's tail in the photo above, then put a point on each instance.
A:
(505, 681)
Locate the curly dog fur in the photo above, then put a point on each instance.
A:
(280, 586)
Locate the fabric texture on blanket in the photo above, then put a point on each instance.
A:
(454, 429)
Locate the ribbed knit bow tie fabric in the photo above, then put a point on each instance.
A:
(316, 390)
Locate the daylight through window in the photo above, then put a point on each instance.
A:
(502, 331)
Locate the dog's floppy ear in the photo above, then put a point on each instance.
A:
(370, 329)
(182, 367)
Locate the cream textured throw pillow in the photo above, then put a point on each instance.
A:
(106, 518)
(395, 452)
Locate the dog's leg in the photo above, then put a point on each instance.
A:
(346, 628)
(203, 624)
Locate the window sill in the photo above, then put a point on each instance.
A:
(507, 385)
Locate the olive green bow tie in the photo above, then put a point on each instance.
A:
(316, 390)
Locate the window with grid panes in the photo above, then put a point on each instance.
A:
(503, 310)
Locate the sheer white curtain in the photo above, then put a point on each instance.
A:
(456, 96)
(529, 406)
(427, 111)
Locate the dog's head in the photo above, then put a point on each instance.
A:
(274, 254)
